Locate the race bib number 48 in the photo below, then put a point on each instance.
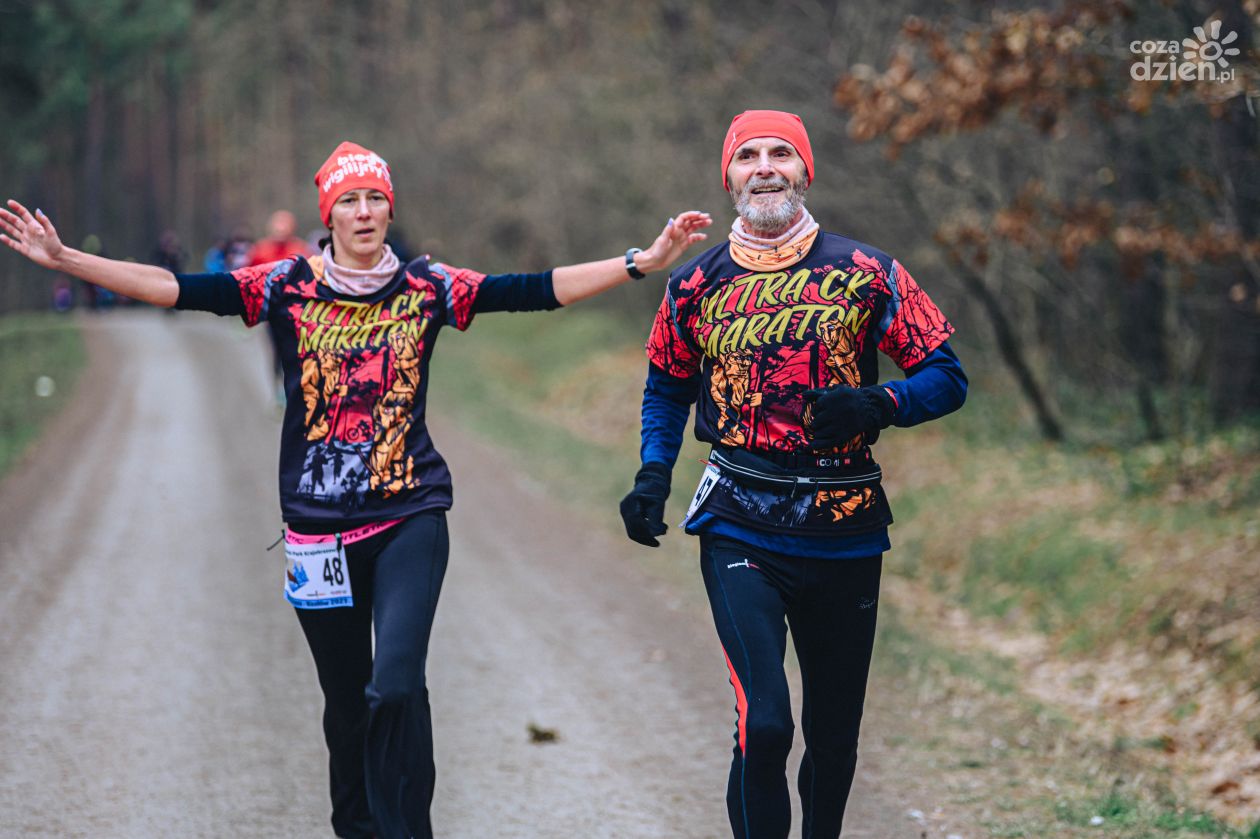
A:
(316, 575)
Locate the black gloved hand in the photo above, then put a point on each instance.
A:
(839, 413)
(643, 510)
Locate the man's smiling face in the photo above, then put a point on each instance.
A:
(768, 179)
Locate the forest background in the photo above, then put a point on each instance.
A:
(1091, 229)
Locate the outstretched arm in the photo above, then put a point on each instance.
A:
(33, 236)
(577, 282)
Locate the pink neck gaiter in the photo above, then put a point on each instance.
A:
(359, 281)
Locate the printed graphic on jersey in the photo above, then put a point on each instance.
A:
(256, 282)
(358, 374)
(360, 377)
(769, 338)
(917, 327)
(390, 466)
(461, 289)
(728, 386)
(841, 362)
(762, 339)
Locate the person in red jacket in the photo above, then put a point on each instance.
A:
(363, 491)
(280, 242)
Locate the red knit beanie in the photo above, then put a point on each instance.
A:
(779, 124)
(351, 166)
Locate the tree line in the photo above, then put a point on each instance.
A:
(1092, 231)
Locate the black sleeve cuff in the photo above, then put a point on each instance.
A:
(516, 293)
(217, 293)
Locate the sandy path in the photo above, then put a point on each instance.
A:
(155, 685)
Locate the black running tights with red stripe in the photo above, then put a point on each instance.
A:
(830, 605)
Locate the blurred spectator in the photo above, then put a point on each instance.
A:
(280, 242)
(169, 253)
(63, 295)
(97, 297)
(215, 260)
(236, 253)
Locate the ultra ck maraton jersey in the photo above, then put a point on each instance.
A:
(355, 447)
(760, 340)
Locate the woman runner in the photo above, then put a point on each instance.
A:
(363, 492)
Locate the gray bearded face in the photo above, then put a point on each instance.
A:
(768, 205)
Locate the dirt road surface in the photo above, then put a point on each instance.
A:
(155, 684)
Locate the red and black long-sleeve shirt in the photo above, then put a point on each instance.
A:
(354, 446)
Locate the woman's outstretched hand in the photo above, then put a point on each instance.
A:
(30, 234)
(680, 233)
(33, 236)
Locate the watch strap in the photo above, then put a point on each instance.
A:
(631, 268)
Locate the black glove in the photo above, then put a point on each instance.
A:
(837, 414)
(643, 510)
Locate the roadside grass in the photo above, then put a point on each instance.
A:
(1043, 566)
(1071, 630)
(40, 353)
(1093, 547)
(1013, 764)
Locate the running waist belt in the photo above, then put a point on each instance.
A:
(748, 469)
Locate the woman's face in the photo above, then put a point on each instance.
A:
(359, 220)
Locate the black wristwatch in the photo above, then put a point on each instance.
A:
(631, 268)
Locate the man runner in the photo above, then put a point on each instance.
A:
(776, 332)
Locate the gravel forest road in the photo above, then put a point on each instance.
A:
(156, 685)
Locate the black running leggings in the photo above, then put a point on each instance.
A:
(830, 605)
(376, 711)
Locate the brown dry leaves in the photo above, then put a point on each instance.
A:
(1139, 232)
(1037, 62)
